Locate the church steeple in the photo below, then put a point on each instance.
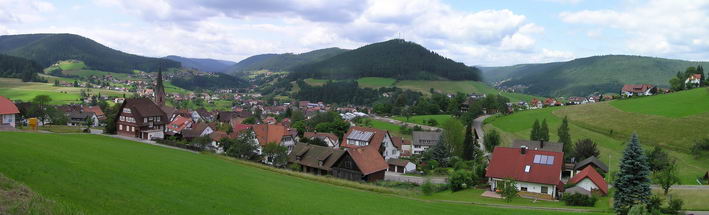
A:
(159, 90)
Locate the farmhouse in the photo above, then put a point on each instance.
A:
(77, 118)
(141, 118)
(638, 90)
(536, 171)
(8, 110)
(589, 180)
(360, 164)
(329, 138)
(424, 140)
(693, 80)
(317, 160)
(278, 134)
(535, 104)
(178, 124)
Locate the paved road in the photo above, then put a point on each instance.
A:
(392, 176)
(407, 124)
(478, 126)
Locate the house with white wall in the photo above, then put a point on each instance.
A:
(536, 171)
(8, 110)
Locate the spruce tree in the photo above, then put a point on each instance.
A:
(632, 182)
(441, 153)
(470, 144)
(535, 130)
(544, 131)
(565, 137)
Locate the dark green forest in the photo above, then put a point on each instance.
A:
(16, 67)
(47, 49)
(396, 58)
(283, 62)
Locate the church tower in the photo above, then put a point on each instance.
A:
(159, 90)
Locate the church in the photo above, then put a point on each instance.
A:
(142, 117)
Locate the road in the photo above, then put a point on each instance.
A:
(478, 126)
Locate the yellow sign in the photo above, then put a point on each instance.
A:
(33, 122)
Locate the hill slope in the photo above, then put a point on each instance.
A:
(47, 49)
(203, 64)
(283, 62)
(583, 76)
(396, 58)
(104, 175)
(16, 67)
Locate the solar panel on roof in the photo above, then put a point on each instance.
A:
(550, 160)
(360, 135)
(537, 158)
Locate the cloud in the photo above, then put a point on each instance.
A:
(23, 11)
(656, 27)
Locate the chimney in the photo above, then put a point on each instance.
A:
(541, 144)
(523, 150)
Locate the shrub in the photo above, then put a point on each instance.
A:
(675, 207)
(295, 167)
(578, 199)
(460, 180)
(427, 187)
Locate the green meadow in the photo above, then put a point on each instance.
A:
(675, 105)
(423, 119)
(15, 89)
(103, 175)
(375, 82)
(612, 127)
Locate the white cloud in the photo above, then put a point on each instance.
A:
(23, 11)
(657, 27)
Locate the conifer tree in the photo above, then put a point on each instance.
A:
(544, 131)
(632, 182)
(470, 144)
(565, 137)
(441, 153)
(535, 131)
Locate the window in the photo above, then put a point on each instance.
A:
(145, 120)
(523, 188)
(132, 129)
(527, 168)
(126, 110)
(123, 118)
(120, 127)
(545, 189)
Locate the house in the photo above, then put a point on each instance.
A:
(8, 110)
(693, 80)
(206, 115)
(589, 180)
(577, 100)
(376, 139)
(178, 124)
(76, 118)
(538, 145)
(330, 139)
(536, 104)
(96, 110)
(638, 90)
(360, 164)
(141, 118)
(424, 140)
(593, 162)
(197, 130)
(400, 165)
(404, 146)
(216, 145)
(551, 102)
(270, 120)
(536, 171)
(265, 134)
(317, 160)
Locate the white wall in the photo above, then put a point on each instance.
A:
(8, 119)
(587, 184)
(389, 150)
(531, 187)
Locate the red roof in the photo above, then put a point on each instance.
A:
(368, 160)
(7, 107)
(590, 173)
(179, 123)
(270, 133)
(374, 142)
(94, 109)
(637, 88)
(511, 163)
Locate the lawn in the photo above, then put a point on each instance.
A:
(15, 89)
(71, 65)
(170, 88)
(473, 196)
(60, 128)
(104, 175)
(393, 129)
(375, 82)
(676, 105)
(460, 86)
(423, 119)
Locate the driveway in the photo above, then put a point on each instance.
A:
(478, 126)
(393, 176)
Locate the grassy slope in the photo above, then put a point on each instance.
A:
(15, 89)
(423, 119)
(103, 175)
(474, 196)
(375, 82)
(596, 121)
(675, 105)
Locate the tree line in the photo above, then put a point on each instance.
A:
(17, 67)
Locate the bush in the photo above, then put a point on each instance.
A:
(295, 167)
(675, 207)
(460, 180)
(578, 199)
(427, 188)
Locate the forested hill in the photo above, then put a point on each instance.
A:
(47, 49)
(283, 62)
(203, 64)
(584, 76)
(16, 67)
(396, 58)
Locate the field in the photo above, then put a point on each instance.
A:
(473, 196)
(675, 105)
(315, 82)
(15, 89)
(611, 127)
(375, 82)
(393, 129)
(423, 119)
(103, 175)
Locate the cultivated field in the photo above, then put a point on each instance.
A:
(103, 175)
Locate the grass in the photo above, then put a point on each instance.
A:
(60, 128)
(474, 196)
(610, 128)
(375, 82)
(693, 199)
(18, 199)
(103, 175)
(71, 65)
(460, 86)
(170, 88)
(15, 89)
(315, 82)
(423, 119)
(676, 105)
(392, 128)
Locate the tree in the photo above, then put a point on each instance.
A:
(508, 188)
(639, 209)
(453, 132)
(244, 147)
(632, 182)
(276, 154)
(111, 115)
(491, 140)
(300, 127)
(658, 159)
(585, 148)
(89, 122)
(250, 120)
(470, 145)
(667, 176)
(201, 142)
(460, 179)
(565, 137)
(535, 131)
(317, 141)
(544, 131)
(41, 102)
(440, 153)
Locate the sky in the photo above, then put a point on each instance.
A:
(475, 32)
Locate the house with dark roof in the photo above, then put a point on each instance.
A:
(638, 90)
(401, 165)
(422, 140)
(77, 118)
(197, 130)
(591, 161)
(589, 180)
(317, 160)
(536, 171)
(141, 118)
(538, 145)
(360, 164)
(375, 139)
(8, 110)
(329, 138)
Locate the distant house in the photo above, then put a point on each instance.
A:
(8, 110)
(216, 145)
(424, 140)
(578, 100)
(536, 171)
(372, 138)
(638, 90)
(593, 162)
(404, 146)
(199, 129)
(360, 164)
(178, 124)
(265, 134)
(536, 104)
(96, 110)
(551, 102)
(401, 165)
(590, 180)
(317, 160)
(76, 118)
(693, 81)
(329, 138)
(141, 118)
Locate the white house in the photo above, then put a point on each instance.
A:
(589, 180)
(638, 90)
(8, 110)
(693, 81)
(422, 140)
(535, 171)
(400, 166)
